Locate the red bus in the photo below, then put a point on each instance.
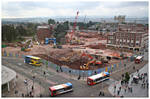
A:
(139, 59)
(60, 89)
(92, 80)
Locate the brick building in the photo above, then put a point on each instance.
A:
(130, 36)
(44, 32)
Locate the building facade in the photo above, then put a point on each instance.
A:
(130, 36)
(43, 32)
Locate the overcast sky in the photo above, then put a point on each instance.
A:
(52, 8)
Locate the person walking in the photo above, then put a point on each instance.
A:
(118, 92)
(114, 88)
(120, 88)
(125, 90)
(79, 77)
(131, 89)
(100, 93)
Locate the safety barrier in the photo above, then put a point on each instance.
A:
(74, 72)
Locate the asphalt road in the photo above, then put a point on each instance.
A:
(81, 89)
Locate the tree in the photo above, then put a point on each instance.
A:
(60, 31)
(8, 33)
(51, 21)
(127, 77)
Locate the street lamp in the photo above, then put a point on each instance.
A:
(26, 84)
(33, 84)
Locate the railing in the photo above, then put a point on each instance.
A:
(75, 72)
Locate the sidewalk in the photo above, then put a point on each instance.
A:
(20, 88)
(137, 89)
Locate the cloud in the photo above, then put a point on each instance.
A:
(37, 8)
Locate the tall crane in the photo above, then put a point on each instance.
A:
(74, 26)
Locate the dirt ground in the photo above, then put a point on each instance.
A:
(70, 55)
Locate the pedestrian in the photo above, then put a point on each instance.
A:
(32, 88)
(144, 85)
(79, 77)
(128, 89)
(125, 90)
(137, 70)
(131, 89)
(22, 94)
(30, 94)
(40, 95)
(120, 88)
(103, 94)
(118, 92)
(133, 67)
(57, 70)
(61, 69)
(121, 82)
(69, 71)
(100, 93)
(124, 65)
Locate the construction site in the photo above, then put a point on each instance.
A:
(83, 49)
(86, 51)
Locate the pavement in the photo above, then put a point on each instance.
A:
(137, 89)
(80, 87)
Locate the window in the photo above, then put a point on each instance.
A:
(109, 41)
(124, 40)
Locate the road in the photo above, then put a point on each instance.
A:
(81, 89)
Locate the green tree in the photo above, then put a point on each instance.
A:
(51, 21)
(127, 77)
(8, 33)
(60, 31)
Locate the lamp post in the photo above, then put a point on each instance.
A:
(26, 84)
(33, 78)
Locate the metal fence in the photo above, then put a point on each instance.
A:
(83, 73)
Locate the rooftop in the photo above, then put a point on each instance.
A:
(7, 74)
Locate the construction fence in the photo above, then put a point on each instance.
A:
(83, 73)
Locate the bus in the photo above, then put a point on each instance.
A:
(60, 89)
(92, 80)
(32, 60)
(139, 59)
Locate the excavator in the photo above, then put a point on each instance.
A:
(92, 62)
(86, 66)
(27, 46)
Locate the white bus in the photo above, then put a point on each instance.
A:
(59, 89)
(92, 80)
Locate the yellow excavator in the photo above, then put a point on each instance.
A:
(86, 66)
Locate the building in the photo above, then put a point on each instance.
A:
(8, 79)
(44, 32)
(130, 36)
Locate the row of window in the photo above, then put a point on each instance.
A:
(98, 79)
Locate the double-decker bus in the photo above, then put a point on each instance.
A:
(139, 59)
(32, 60)
(60, 89)
(92, 80)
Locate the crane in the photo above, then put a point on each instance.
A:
(74, 26)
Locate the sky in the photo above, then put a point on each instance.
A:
(67, 8)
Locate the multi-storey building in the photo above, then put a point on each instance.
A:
(43, 32)
(130, 36)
